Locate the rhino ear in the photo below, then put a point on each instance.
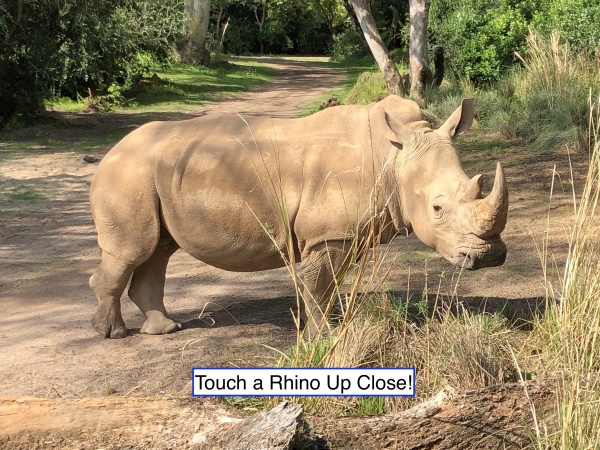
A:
(391, 128)
(461, 119)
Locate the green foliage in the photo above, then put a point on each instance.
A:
(241, 37)
(67, 48)
(543, 102)
(346, 45)
(289, 27)
(480, 37)
(576, 21)
(392, 21)
(370, 87)
(550, 94)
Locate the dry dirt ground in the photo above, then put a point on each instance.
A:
(88, 387)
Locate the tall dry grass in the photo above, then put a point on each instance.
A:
(542, 102)
(449, 346)
(551, 92)
(569, 332)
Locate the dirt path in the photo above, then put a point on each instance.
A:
(48, 251)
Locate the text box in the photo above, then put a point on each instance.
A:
(303, 382)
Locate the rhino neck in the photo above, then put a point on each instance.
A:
(393, 192)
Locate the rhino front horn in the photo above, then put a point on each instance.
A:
(489, 214)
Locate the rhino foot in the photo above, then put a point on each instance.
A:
(112, 330)
(159, 324)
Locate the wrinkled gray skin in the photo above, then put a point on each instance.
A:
(216, 187)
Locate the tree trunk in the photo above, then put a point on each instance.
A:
(260, 21)
(420, 74)
(197, 15)
(438, 65)
(362, 8)
(356, 24)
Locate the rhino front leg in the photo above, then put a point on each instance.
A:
(320, 265)
(108, 282)
(148, 287)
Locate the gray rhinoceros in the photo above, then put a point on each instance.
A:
(225, 188)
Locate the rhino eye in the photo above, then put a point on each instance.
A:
(437, 211)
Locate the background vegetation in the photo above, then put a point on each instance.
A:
(78, 49)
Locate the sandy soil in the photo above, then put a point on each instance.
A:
(48, 250)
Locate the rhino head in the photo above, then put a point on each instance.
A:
(438, 201)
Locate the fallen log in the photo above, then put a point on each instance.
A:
(496, 417)
(280, 428)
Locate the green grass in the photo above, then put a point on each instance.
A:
(186, 87)
(87, 143)
(353, 69)
(66, 104)
(478, 145)
(415, 255)
(22, 194)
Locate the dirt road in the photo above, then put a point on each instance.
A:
(48, 252)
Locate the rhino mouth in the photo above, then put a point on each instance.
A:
(491, 255)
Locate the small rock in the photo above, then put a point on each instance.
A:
(91, 159)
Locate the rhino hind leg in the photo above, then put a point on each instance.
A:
(147, 290)
(108, 282)
(320, 265)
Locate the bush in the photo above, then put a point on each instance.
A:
(480, 37)
(346, 45)
(370, 87)
(549, 95)
(66, 48)
(576, 21)
(544, 101)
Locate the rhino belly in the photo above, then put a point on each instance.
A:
(219, 199)
(226, 229)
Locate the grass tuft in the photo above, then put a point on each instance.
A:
(568, 335)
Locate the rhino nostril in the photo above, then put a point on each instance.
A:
(467, 260)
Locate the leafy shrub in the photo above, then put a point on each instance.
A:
(346, 45)
(479, 36)
(66, 48)
(544, 101)
(576, 21)
(241, 37)
(370, 87)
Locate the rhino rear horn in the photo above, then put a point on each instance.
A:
(489, 214)
(472, 189)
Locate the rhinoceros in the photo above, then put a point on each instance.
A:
(233, 190)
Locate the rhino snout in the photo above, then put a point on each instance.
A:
(495, 255)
